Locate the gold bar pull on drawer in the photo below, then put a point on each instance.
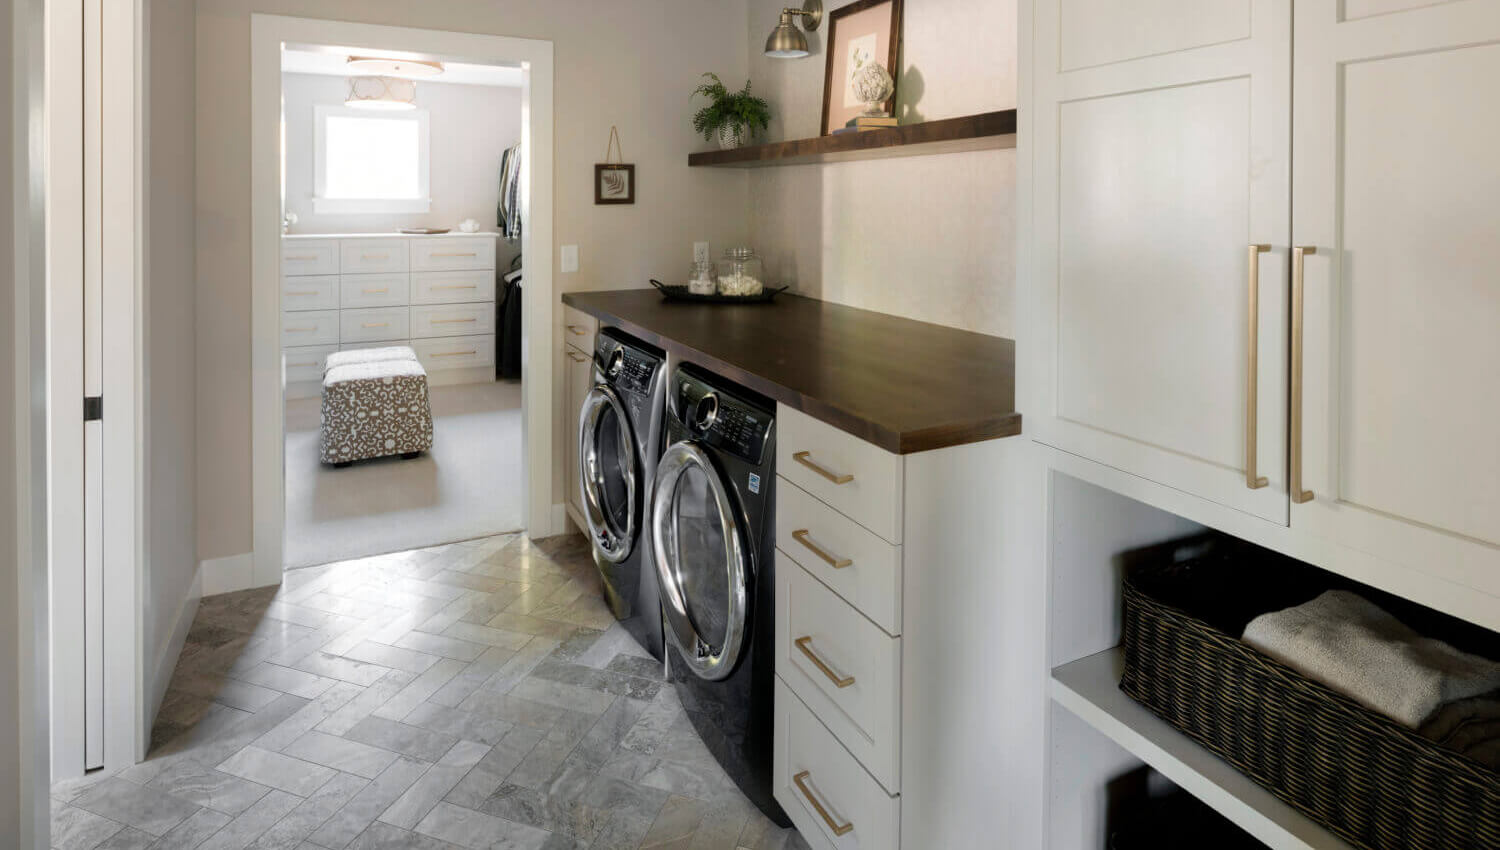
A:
(453, 254)
(802, 458)
(302, 257)
(453, 321)
(800, 535)
(1299, 496)
(577, 331)
(455, 286)
(577, 358)
(377, 291)
(376, 325)
(1252, 361)
(804, 644)
(838, 828)
(303, 292)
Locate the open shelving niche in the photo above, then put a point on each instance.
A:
(984, 131)
(1096, 734)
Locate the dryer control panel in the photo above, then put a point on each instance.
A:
(721, 420)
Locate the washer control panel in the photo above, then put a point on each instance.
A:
(627, 368)
(720, 419)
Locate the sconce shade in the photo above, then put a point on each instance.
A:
(788, 42)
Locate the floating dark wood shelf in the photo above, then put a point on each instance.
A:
(986, 130)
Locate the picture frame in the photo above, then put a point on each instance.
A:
(614, 183)
(870, 29)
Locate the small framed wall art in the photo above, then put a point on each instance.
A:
(860, 33)
(614, 181)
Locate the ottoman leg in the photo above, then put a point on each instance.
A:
(341, 464)
(410, 455)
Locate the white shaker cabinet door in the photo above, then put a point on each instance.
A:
(1162, 156)
(579, 380)
(1395, 187)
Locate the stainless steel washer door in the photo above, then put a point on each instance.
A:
(607, 467)
(701, 561)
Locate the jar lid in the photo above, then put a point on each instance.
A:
(739, 253)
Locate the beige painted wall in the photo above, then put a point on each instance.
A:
(932, 238)
(631, 63)
(11, 663)
(170, 411)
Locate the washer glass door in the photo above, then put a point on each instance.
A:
(701, 561)
(607, 465)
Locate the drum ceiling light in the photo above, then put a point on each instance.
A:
(389, 93)
(375, 66)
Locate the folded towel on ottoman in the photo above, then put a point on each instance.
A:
(368, 355)
(1360, 650)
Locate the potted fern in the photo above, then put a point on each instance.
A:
(732, 116)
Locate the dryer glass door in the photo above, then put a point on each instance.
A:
(607, 466)
(701, 561)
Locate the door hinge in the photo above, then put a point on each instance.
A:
(93, 408)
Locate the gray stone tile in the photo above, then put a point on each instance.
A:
(383, 836)
(341, 754)
(638, 666)
(460, 724)
(476, 830)
(675, 823)
(76, 829)
(194, 831)
(488, 635)
(391, 656)
(604, 681)
(362, 810)
(364, 705)
(541, 764)
(457, 689)
(510, 708)
(489, 774)
(469, 581)
(290, 831)
(308, 716)
(128, 838)
(134, 805)
(207, 787)
(411, 807)
(604, 736)
(332, 604)
(552, 812)
(521, 664)
(670, 776)
(422, 687)
(412, 741)
(722, 823)
(623, 831)
(613, 642)
(527, 624)
(576, 645)
(278, 771)
(251, 823)
(286, 680)
(562, 695)
(231, 692)
(654, 723)
(447, 647)
(338, 667)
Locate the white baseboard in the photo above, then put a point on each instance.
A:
(168, 653)
(559, 520)
(230, 573)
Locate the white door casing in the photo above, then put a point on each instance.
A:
(1160, 157)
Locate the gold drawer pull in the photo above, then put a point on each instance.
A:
(577, 358)
(374, 256)
(376, 291)
(802, 458)
(300, 330)
(837, 680)
(1252, 361)
(574, 329)
(455, 353)
(454, 254)
(376, 325)
(303, 292)
(453, 321)
(456, 286)
(299, 365)
(308, 257)
(838, 828)
(800, 535)
(1299, 496)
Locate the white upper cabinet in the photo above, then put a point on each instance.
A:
(1162, 157)
(1395, 188)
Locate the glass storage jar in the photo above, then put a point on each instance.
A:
(701, 279)
(740, 272)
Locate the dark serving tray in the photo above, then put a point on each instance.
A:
(682, 293)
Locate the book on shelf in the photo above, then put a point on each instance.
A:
(873, 122)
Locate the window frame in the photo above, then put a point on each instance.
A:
(324, 204)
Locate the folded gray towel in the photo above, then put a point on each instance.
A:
(1356, 648)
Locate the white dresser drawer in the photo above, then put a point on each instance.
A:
(373, 290)
(374, 324)
(455, 252)
(430, 320)
(452, 287)
(859, 479)
(579, 328)
(309, 256)
(455, 352)
(309, 327)
(858, 564)
(843, 666)
(387, 343)
(834, 803)
(305, 363)
(365, 256)
(311, 292)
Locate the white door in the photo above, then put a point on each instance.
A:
(1161, 159)
(1395, 188)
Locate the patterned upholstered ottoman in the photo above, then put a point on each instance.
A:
(374, 404)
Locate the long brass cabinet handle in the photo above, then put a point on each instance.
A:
(453, 254)
(576, 330)
(1252, 359)
(800, 535)
(1299, 495)
(455, 286)
(804, 643)
(302, 257)
(577, 358)
(377, 291)
(376, 325)
(300, 330)
(374, 256)
(454, 353)
(802, 458)
(303, 292)
(453, 321)
(838, 828)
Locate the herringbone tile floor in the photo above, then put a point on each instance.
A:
(474, 695)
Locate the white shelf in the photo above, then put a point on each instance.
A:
(1090, 688)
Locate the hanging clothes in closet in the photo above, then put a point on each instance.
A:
(508, 324)
(508, 209)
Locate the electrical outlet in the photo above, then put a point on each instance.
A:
(700, 252)
(569, 258)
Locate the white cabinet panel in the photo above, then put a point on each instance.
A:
(373, 290)
(456, 352)
(311, 292)
(305, 363)
(1395, 185)
(430, 320)
(374, 324)
(859, 479)
(452, 287)
(858, 564)
(456, 252)
(579, 379)
(1098, 32)
(365, 256)
(309, 256)
(309, 327)
(579, 328)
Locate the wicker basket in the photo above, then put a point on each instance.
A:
(1371, 781)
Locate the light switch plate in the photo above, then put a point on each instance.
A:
(569, 258)
(700, 252)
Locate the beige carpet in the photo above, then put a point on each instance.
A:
(470, 485)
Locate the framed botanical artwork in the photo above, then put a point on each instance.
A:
(614, 183)
(862, 32)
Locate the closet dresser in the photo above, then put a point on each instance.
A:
(345, 291)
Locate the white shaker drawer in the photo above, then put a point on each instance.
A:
(363, 256)
(579, 328)
(309, 256)
(429, 320)
(843, 666)
(309, 327)
(387, 343)
(459, 252)
(858, 564)
(312, 292)
(452, 287)
(374, 324)
(305, 363)
(455, 352)
(373, 290)
(860, 480)
(834, 803)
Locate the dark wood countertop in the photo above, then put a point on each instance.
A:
(903, 385)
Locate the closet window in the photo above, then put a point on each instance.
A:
(370, 162)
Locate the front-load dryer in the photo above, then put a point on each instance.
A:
(619, 442)
(712, 533)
